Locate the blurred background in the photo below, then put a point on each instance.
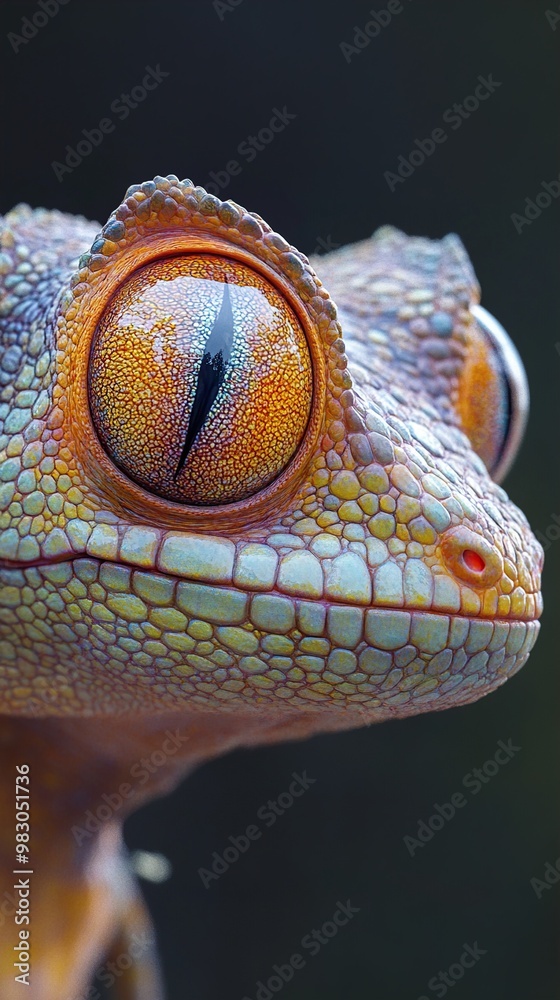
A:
(321, 183)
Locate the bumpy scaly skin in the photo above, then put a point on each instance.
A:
(339, 591)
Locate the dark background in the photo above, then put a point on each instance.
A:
(322, 178)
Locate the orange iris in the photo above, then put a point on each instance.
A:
(200, 380)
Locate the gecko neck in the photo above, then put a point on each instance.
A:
(84, 777)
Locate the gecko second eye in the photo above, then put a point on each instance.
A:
(200, 380)
(493, 394)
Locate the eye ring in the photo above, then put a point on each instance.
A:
(127, 497)
(518, 389)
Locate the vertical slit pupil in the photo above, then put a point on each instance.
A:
(211, 374)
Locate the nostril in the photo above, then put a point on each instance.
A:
(474, 561)
(471, 557)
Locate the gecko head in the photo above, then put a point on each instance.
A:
(211, 504)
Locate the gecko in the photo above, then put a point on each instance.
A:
(231, 513)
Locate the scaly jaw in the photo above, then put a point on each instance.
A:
(163, 643)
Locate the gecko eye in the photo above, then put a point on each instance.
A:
(200, 380)
(493, 395)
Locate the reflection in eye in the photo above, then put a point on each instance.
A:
(493, 394)
(200, 380)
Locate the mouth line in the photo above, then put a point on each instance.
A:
(11, 565)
